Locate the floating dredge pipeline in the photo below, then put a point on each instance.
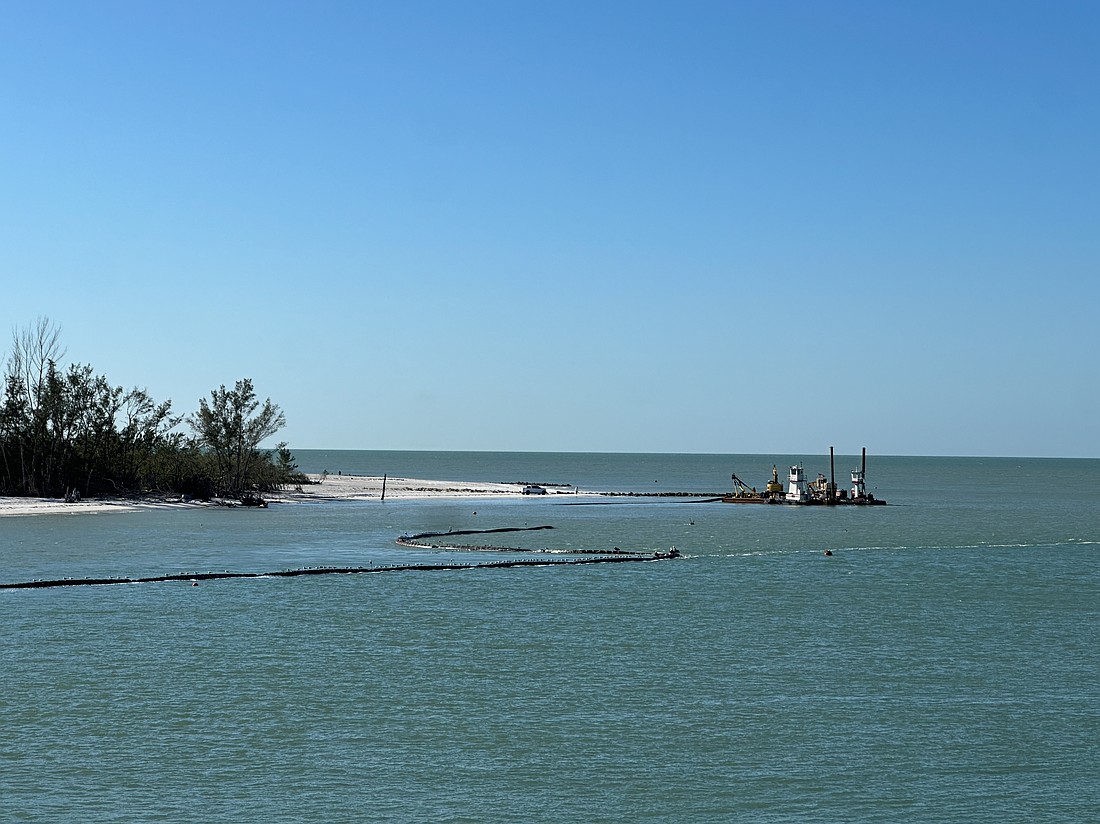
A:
(422, 540)
(616, 556)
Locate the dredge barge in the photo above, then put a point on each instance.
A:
(800, 492)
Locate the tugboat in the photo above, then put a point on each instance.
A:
(797, 490)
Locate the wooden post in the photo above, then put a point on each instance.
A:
(383, 486)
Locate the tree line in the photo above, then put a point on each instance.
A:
(69, 433)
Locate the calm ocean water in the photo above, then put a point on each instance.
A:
(943, 665)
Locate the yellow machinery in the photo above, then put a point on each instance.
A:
(774, 487)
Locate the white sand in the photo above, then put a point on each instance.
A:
(358, 487)
(57, 506)
(332, 487)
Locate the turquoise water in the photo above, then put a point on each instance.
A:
(942, 665)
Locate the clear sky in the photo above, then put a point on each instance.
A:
(587, 226)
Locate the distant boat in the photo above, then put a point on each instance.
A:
(801, 492)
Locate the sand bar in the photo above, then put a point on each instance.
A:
(330, 487)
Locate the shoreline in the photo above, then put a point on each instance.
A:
(331, 488)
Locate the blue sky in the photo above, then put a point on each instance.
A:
(671, 227)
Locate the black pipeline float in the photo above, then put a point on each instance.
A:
(615, 556)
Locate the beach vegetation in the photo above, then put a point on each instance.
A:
(68, 432)
(230, 426)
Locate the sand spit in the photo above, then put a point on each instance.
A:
(360, 487)
(334, 488)
(324, 488)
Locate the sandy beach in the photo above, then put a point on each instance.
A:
(329, 487)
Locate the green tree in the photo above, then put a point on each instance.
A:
(70, 430)
(30, 388)
(230, 427)
(14, 436)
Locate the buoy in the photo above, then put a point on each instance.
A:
(828, 552)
